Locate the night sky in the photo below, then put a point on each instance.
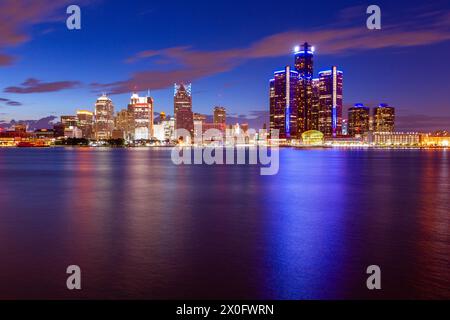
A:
(228, 49)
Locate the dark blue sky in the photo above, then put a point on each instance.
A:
(228, 49)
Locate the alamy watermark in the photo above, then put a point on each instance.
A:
(215, 147)
(73, 22)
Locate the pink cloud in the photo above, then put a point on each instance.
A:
(337, 39)
(17, 16)
(32, 85)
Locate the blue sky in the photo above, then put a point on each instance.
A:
(228, 50)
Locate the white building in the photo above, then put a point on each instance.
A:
(141, 109)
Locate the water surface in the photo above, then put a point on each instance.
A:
(142, 228)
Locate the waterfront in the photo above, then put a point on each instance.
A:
(140, 227)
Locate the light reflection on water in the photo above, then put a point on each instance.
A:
(141, 227)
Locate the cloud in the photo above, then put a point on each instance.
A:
(17, 16)
(9, 102)
(191, 64)
(32, 85)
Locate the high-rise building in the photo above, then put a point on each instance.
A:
(183, 107)
(104, 118)
(184, 120)
(124, 121)
(358, 119)
(304, 60)
(69, 121)
(169, 128)
(284, 103)
(182, 97)
(304, 67)
(220, 115)
(330, 99)
(384, 118)
(199, 117)
(314, 123)
(141, 109)
(85, 123)
(162, 116)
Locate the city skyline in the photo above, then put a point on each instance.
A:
(377, 64)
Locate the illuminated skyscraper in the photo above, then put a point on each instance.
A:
(314, 123)
(384, 118)
(124, 122)
(104, 118)
(358, 119)
(304, 60)
(304, 67)
(220, 115)
(183, 107)
(141, 109)
(69, 121)
(330, 99)
(85, 123)
(284, 103)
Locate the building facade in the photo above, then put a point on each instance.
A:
(104, 118)
(86, 123)
(304, 67)
(384, 138)
(384, 118)
(331, 101)
(220, 115)
(124, 121)
(358, 119)
(141, 109)
(284, 103)
(184, 118)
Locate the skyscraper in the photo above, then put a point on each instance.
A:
(384, 118)
(284, 103)
(358, 119)
(104, 118)
(85, 123)
(141, 109)
(314, 123)
(330, 99)
(183, 107)
(124, 122)
(69, 121)
(220, 115)
(304, 67)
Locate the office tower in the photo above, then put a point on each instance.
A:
(85, 123)
(69, 121)
(199, 121)
(124, 121)
(183, 107)
(104, 118)
(330, 99)
(304, 60)
(304, 67)
(315, 107)
(184, 120)
(198, 117)
(384, 118)
(162, 116)
(220, 115)
(284, 103)
(182, 97)
(358, 119)
(169, 128)
(141, 109)
(71, 129)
